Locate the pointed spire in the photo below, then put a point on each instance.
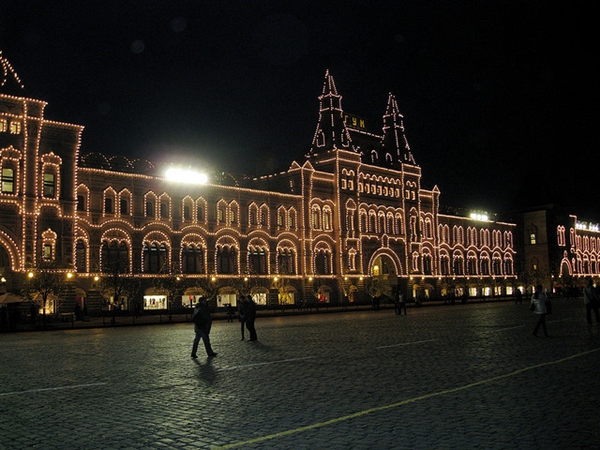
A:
(394, 139)
(331, 131)
(10, 83)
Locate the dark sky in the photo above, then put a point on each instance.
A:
(491, 92)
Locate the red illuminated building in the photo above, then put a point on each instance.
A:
(348, 220)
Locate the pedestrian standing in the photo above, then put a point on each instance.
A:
(592, 303)
(202, 325)
(242, 307)
(402, 303)
(230, 312)
(251, 317)
(399, 302)
(518, 296)
(538, 305)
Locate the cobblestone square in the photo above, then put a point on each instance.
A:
(463, 376)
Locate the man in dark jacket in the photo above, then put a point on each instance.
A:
(251, 317)
(202, 324)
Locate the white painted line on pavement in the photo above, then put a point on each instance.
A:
(407, 343)
(508, 328)
(408, 401)
(264, 363)
(59, 388)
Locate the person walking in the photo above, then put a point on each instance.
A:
(538, 305)
(251, 317)
(202, 324)
(590, 298)
(242, 307)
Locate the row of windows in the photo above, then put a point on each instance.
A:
(410, 193)
(473, 266)
(12, 126)
(160, 208)
(115, 257)
(9, 184)
(474, 236)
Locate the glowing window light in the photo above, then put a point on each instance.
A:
(187, 176)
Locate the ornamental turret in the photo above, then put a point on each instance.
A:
(394, 143)
(331, 132)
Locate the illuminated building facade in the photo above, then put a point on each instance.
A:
(351, 212)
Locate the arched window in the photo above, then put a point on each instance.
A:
(285, 261)
(150, 209)
(257, 260)
(108, 205)
(164, 209)
(123, 207)
(115, 257)
(80, 256)
(155, 256)
(192, 258)
(226, 260)
(81, 202)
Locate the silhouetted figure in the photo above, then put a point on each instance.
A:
(230, 312)
(202, 325)
(518, 296)
(592, 302)
(3, 318)
(33, 311)
(376, 302)
(78, 312)
(251, 317)
(242, 308)
(538, 303)
(399, 302)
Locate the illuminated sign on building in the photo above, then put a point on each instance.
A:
(353, 121)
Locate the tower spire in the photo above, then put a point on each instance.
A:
(10, 83)
(394, 139)
(331, 132)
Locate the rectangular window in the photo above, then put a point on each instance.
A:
(3, 125)
(149, 209)
(49, 188)
(8, 181)
(532, 239)
(124, 207)
(47, 252)
(15, 127)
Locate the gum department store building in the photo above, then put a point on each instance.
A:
(350, 213)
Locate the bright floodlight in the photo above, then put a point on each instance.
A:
(479, 216)
(188, 176)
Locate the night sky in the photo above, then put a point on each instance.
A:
(492, 93)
